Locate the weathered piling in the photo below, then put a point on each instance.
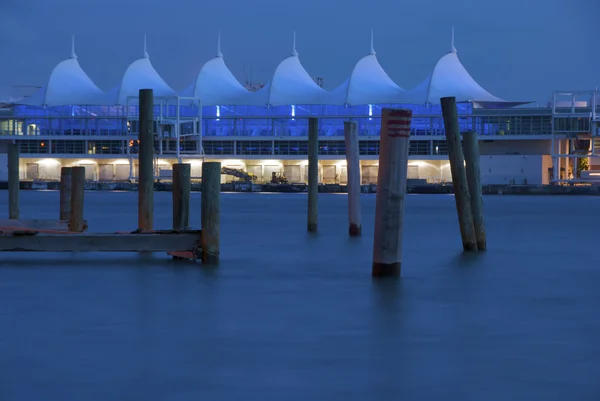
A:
(471, 150)
(391, 189)
(211, 218)
(146, 160)
(181, 196)
(65, 192)
(13, 180)
(353, 177)
(459, 175)
(77, 193)
(313, 174)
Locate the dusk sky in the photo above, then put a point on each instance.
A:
(516, 49)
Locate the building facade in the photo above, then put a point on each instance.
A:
(72, 122)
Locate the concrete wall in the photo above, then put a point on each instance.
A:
(515, 169)
(524, 147)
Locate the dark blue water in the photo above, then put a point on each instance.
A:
(293, 316)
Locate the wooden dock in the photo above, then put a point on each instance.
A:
(68, 233)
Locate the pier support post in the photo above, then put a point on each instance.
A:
(391, 189)
(65, 193)
(181, 196)
(353, 177)
(211, 218)
(313, 174)
(146, 160)
(471, 149)
(77, 193)
(13, 180)
(459, 175)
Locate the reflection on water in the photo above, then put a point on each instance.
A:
(292, 316)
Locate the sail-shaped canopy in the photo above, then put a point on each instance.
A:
(67, 85)
(290, 85)
(216, 85)
(450, 78)
(139, 75)
(368, 84)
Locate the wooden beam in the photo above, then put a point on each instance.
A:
(92, 242)
(36, 224)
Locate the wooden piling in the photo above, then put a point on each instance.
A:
(353, 177)
(181, 196)
(391, 189)
(13, 181)
(459, 175)
(65, 193)
(471, 150)
(211, 218)
(313, 174)
(146, 160)
(76, 222)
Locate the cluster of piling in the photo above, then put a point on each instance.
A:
(389, 209)
(392, 180)
(466, 179)
(67, 234)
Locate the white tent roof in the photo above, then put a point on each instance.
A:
(450, 78)
(216, 85)
(291, 84)
(68, 85)
(368, 84)
(139, 75)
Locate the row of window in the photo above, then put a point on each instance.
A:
(242, 148)
(421, 126)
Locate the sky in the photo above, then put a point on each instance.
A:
(516, 49)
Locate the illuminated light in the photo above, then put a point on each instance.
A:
(218, 112)
(293, 111)
(121, 161)
(594, 174)
(370, 111)
(86, 161)
(48, 162)
(163, 162)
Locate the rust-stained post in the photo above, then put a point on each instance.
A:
(391, 189)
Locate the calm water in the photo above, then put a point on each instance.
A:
(293, 316)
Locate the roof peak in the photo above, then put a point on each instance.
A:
(73, 55)
(145, 55)
(294, 52)
(372, 50)
(452, 48)
(219, 54)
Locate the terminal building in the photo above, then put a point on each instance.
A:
(263, 129)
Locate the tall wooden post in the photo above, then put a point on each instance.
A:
(211, 212)
(146, 159)
(65, 192)
(459, 175)
(313, 174)
(13, 181)
(181, 196)
(472, 160)
(391, 189)
(353, 176)
(77, 193)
